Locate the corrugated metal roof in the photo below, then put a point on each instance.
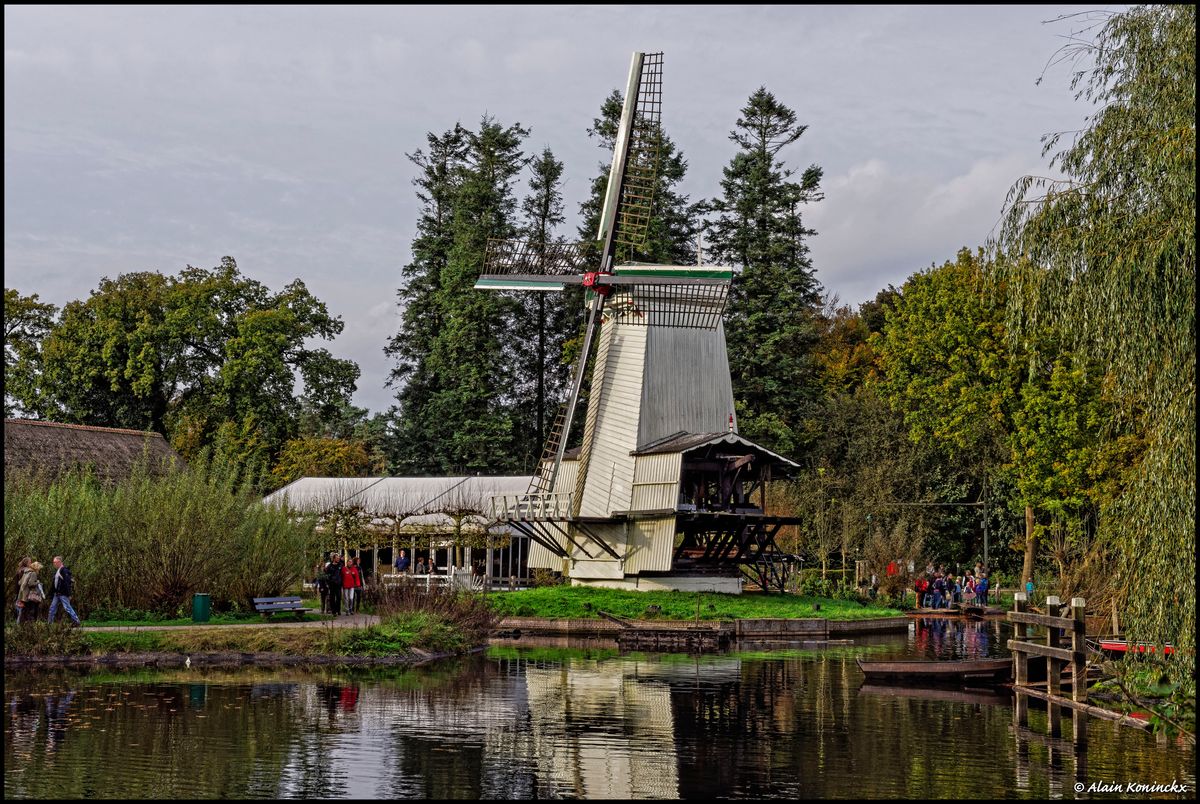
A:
(686, 442)
(408, 498)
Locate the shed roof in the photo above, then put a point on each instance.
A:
(49, 449)
(691, 442)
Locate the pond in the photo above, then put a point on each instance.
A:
(525, 721)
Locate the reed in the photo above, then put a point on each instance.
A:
(149, 541)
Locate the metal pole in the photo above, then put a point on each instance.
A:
(987, 566)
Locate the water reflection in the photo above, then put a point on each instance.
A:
(546, 722)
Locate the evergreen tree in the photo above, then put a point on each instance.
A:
(437, 185)
(458, 416)
(546, 319)
(774, 309)
(671, 239)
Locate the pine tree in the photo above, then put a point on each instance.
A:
(437, 185)
(467, 419)
(673, 226)
(774, 309)
(545, 321)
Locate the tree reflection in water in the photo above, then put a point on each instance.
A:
(553, 723)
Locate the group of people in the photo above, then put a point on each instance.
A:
(420, 568)
(339, 582)
(31, 594)
(937, 589)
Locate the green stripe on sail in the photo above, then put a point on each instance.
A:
(516, 284)
(681, 271)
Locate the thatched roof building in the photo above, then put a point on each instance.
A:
(48, 449)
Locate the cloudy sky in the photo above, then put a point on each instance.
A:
(152, 138)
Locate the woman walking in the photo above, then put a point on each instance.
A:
(29, 591)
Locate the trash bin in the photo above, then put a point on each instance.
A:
(201, 608)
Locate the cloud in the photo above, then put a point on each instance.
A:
(880, 223)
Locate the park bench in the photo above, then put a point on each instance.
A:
(266, 606)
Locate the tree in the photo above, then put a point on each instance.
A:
(671, 232)
(311, 456)
(437, 186)
(460, 416)
(26, 323)
(1109, 252)
(204, 356)
(773, 316)
(545, 320)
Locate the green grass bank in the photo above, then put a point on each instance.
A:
(585, 602)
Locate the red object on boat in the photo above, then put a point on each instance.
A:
(1121, 646)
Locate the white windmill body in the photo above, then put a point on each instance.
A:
(658, 495)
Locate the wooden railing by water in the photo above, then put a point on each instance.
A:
(1057, 658)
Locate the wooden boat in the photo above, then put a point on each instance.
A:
(973, 671)
(1121, 647)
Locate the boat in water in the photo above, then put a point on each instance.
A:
(972, 672)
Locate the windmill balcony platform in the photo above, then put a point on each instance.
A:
(536, 507)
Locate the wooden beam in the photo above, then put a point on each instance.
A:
(1083, 707)
(1062, 654)
(1046, 620)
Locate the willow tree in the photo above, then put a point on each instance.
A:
(1108, 252)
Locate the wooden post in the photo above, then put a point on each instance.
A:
(1021, 661)
(1116, 625)
(1053, 670)
(1079, 681)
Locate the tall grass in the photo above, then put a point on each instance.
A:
(467, 613)
(150, 541)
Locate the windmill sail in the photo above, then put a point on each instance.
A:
(629, 202)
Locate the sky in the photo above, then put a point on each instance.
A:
(152, 138)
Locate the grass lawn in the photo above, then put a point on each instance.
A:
(226, 618)
(583, 602)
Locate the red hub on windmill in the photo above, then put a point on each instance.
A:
(592, 281)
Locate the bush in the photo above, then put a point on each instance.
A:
(148, 542)
(468, 612)
(545, 577)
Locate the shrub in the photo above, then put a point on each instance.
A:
(148, 542)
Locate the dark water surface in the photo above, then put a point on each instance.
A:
(540, 721)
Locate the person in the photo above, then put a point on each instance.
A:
(969, 589)
(351, 582)
(333, 576)
(21, 567)
(421, 565)
(29, 593)
(1029, 590)
(402, 562)
(939, 591)
(981, 589)
(922, 587)
(322, 581)
(63, 587)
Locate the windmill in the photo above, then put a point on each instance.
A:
(661, 375)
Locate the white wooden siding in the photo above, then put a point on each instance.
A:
(541, 558)
(656, 481)
(609, 483)
(651, 545)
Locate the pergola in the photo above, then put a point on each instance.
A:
(443, 519)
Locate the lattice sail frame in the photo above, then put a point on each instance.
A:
(639, 177)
